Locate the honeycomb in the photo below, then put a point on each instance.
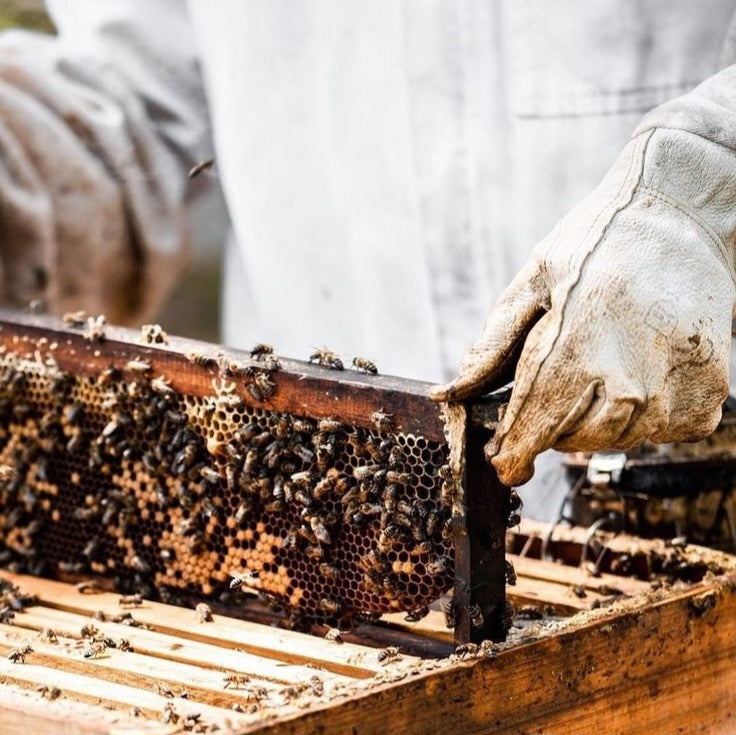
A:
(175, 495)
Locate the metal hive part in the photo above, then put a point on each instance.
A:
(115, 470)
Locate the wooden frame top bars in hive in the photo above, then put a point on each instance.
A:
(182, 469)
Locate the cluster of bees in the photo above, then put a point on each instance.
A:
(177, 496)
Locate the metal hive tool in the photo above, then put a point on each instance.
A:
(177, 467)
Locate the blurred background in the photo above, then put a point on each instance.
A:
(193, 309)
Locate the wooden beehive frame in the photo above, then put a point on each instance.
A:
(480, 508)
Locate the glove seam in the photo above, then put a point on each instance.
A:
(719, 245)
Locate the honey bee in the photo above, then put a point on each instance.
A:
(363, 472)
(510, 574)
(422, 548)
(76, 319)
(163, 690)
(50, 693)
(365, 366)
(245, 578)
(260, 350)
(389, 655)
(266, 387)
(162, 386)
(317, 686)
(326, 358)
(153, 334)
(170, 715)
(315, 552)
(415, 616)
(467, 650)
(88, 587)
(272, 363)
(138, 366)
(18, 655)
(438, 566)
(320, 530)
(94, 649)
(200, 167)
(49, 634)
(95, 328)
(329, 606)
(329, 571)
(235, 680)
(515, 501)
(204, 613)
(476, 615)
(209, 475)
(123, 644)
(323, 487)
(135, 600)
(334, 635)
(514, 519)
(383, 421)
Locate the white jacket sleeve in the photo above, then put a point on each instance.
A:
(98, 127)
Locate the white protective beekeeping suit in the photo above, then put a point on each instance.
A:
(387, 165)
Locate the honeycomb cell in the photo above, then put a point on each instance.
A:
(176, 491)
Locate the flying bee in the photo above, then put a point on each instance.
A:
(138, 366)
(383, 421)
(18, 655)
(204, 613)
(261, 350)
(414, 616)
(388, 655)
(365, 366)
(331, 607)
(326, 358)
(476, 615)
(200, 167)
(334, 635)
(510, 574)
(94, 649)
(235, 680)
(245, 578)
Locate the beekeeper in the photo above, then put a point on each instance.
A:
(388, 167)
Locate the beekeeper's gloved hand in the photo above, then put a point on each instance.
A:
(622, 316)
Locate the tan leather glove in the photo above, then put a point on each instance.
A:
(622, 316)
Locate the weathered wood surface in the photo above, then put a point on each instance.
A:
(661, 668)
(302, 388)
(284, 646)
